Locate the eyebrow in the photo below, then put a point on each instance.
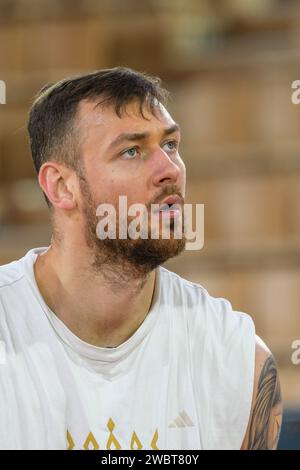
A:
(141, 135)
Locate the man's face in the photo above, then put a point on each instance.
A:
(146, 170)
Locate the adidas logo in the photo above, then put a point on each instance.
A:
(182, 421)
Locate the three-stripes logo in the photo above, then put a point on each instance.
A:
(182, 421)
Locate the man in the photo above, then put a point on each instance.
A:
(106, 349)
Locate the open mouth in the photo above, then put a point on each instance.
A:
(171, 210)
(165, 207)
(168, 207)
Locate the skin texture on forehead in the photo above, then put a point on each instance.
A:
(96, 121)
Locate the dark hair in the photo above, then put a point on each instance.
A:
(52, 115)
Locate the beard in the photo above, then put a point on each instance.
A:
(119, 260)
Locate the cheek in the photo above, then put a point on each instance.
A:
(130, 184)
(111, 189)
(107, 184)
(103, 184)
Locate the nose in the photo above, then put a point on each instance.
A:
(166, 169)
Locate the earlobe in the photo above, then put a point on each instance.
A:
(66, 204)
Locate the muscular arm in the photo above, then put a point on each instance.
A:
(266, 412)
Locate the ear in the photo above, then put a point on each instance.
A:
(56, 180)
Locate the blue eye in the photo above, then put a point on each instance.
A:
(129, 153)
(174, 145)
(133, 152)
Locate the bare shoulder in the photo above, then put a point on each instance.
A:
(266, 411)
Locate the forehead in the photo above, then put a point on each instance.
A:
(103, 121)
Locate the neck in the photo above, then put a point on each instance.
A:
(102, 308)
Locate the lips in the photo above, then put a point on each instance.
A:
(170, 203)
(171, 200)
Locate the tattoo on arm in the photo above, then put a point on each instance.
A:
(265, 422)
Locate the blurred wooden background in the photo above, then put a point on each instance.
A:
(229, 65)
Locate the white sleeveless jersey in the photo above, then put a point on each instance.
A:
(183, 380)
